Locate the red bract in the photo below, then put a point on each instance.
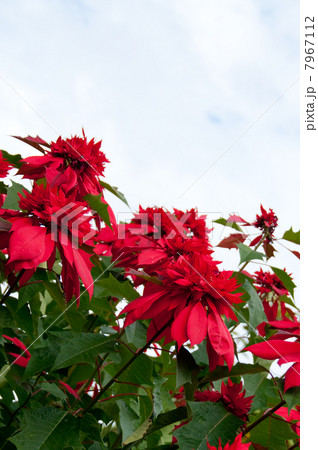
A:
(20, 359)
(286, 351)
(51, 221)
(231, 396)
(190, 301)
(236, 445)
(72, 164)
(5, 166)
(293, 416)
(163, 223)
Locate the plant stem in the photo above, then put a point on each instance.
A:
(269, 413)
(12, 288)
(125, 366)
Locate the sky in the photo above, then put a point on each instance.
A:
(196, 101)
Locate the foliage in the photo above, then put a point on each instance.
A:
(129, 335)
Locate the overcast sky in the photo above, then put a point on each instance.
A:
(168, 85)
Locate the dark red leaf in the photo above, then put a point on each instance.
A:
(34, 142)
(232, 240)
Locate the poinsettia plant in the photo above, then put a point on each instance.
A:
(132, 335)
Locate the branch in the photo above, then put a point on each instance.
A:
(125, 366)
(12, 287)
(269, 413)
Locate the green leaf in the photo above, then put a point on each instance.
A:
(285, 279)
(238, 370)
(15, 160)
(28, 292)
(78, 348)
(42, 359)
(211, 421)
(132, 417)
(226, 223)
(90, 428)
(162, 401)
(114, 190)
(139, 433)
(110, 286)
(247, 254)
(185, 366)
(264, 390)
(100, 207)
(6, 319)
(255, 307)
(12, 198)
(288, 301)
(22, 315)
(292, 236)
(200, 355)
(70, 313)
(273, 433)
(47, 429)
(168, 418)
(53, 390)
(138, 372)
(136, 333)
(3, 188)
(292, 397)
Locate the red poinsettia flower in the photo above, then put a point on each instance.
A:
(269, 282)
(23, 359)
(267, 222)
(72, 164)
(236, 445)
(50, 221)
(154, 238)
(286, 351)
(231, 396)
(190, 301)
(161, 252)
(234, 400)
(5, 166)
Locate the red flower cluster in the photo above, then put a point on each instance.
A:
(232, 397)
(269, 282)
(185, 293)
(236, 445)
(54, 216)
(50, 220)
(188, 304)
(154, 238)
(267, 222)
(71, 164)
